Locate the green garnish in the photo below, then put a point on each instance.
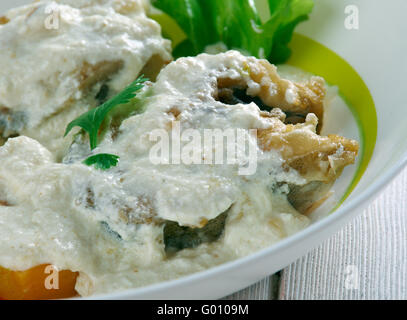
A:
(237, 24)
(92, 120)
(102, 161)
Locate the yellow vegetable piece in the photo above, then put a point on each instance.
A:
(31, 284)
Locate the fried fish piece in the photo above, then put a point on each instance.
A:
(315, 157)
(318, 159)
(296, 99)
(235, 81)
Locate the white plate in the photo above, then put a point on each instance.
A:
(377, 51)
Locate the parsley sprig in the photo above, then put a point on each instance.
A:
(102, 161)
(92, 121)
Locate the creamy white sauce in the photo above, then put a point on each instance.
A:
(58, 211)
(41, 65)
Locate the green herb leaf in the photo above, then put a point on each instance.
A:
(292, 12)
(102, 161)
(237, 24)
(192, 19)
(92, 120)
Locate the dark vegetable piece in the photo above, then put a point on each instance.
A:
(110, 231)
(11, 123)
(177, 238)
(103, 93)
(239, 96)
(302, 198)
